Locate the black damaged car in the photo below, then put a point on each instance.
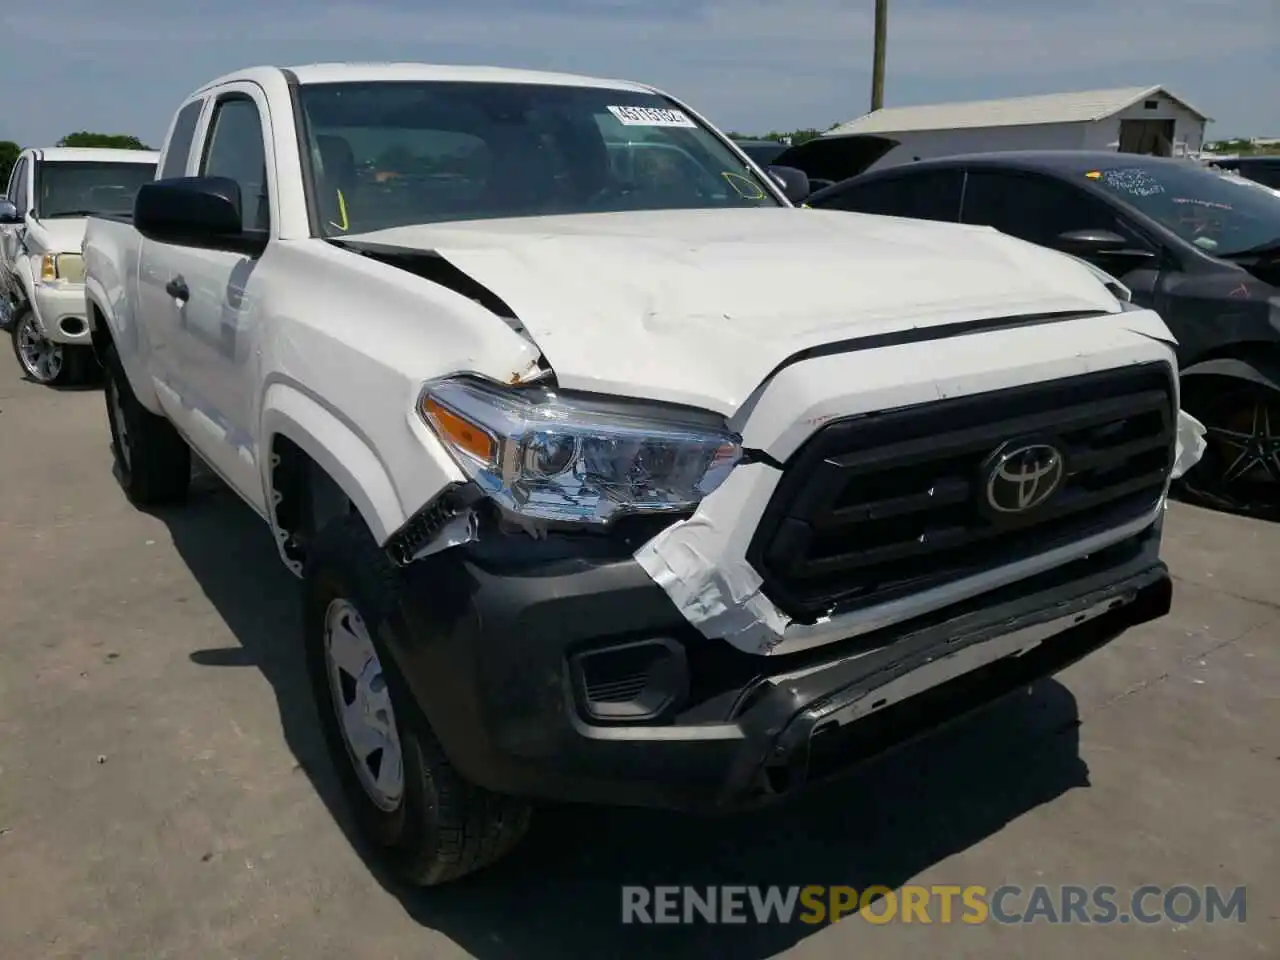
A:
(1201, 248)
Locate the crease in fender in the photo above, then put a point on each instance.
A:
(1168, 340)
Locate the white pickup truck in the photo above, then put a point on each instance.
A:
(618, 478)
(51, 192)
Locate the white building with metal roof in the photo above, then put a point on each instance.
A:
(1147, 120)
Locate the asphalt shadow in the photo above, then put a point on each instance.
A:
(560, 893)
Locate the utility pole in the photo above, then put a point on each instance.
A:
(877, 65)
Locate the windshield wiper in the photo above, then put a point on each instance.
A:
(1269, 248)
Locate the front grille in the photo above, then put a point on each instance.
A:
(881, 505)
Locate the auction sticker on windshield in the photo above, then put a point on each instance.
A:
(651, 117)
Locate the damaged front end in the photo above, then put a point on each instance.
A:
(448, 520)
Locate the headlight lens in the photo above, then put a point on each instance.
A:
(68, 267)
(572, 459)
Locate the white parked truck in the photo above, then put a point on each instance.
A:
(50, 194)
(619, 479)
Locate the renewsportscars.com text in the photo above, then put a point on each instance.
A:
(941, 904)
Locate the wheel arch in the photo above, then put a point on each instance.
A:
(106, 329)
(1257, 363)
(318, 467)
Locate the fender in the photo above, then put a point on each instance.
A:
(21, 281)
(125, 337)
(1262, 370)
(336, 448)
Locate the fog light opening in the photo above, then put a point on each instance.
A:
(632, 682)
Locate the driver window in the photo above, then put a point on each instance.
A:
(1031, 207)
(236, 150)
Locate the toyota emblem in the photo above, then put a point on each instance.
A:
(1023, 477)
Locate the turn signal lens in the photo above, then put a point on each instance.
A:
(461, 433)
(48, 267)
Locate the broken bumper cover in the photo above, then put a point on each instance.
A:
(495, 639)
(60, 312)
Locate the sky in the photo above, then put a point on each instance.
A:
(749, 65)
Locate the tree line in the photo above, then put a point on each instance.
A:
(794, 137)
(81, 138)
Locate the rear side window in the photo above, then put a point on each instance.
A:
(927, 195)
(1031, 207)
(235, 149)
(179, 149)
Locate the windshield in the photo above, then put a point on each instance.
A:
(1221, 215)
(67, 188)
(389, 154)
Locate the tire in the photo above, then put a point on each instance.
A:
(431, 826)
(41, 360)
(152, 460)
(1239, 471)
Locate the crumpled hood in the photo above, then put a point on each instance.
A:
(699, 306)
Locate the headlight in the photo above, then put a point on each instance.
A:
(62, 266)
(542, 455)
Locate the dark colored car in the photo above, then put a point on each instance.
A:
(1264, 170)
(823, 160)
(1200, 248)
(761, 152)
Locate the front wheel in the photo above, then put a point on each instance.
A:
(44, 361)
(1240, 468)
(427, 822)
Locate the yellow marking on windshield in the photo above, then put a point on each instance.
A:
(746, 188)
(342, 210)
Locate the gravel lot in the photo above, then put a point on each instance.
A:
(163, 792)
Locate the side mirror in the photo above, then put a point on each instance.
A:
(794, 183)
(195, 212)
(1095, 243)
(9, 215)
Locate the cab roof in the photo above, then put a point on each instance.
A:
(358, 72)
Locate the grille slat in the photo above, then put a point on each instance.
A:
(881, 504)
(949, 490)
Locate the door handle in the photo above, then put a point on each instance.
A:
(178, 289)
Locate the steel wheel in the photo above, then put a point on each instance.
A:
(363, 705)
(1240, 469)
(41, 358)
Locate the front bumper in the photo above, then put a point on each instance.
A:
(492, 631)
(59, 309)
